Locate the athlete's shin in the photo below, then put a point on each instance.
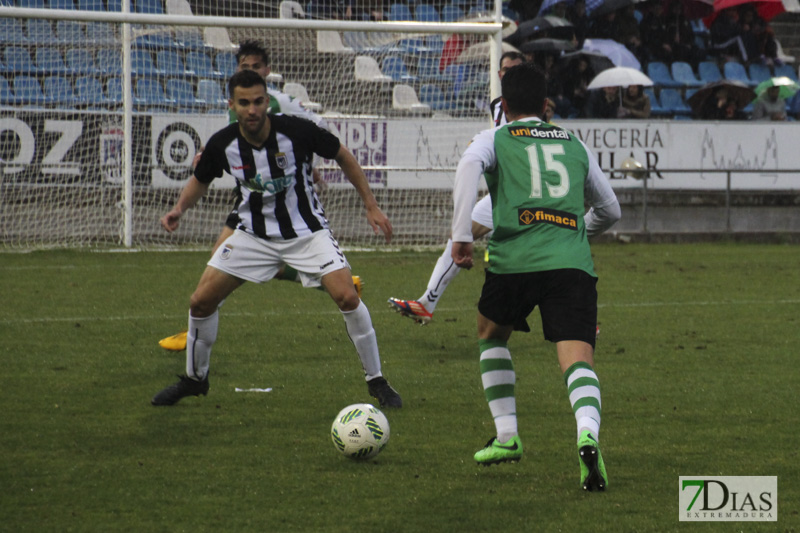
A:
(199, 340)
(362, 334)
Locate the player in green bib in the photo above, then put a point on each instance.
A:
(540, 177)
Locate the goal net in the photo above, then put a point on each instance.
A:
(104, 104)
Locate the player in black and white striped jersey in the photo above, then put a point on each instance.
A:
(281, 222)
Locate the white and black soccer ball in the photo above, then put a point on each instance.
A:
(360, 431)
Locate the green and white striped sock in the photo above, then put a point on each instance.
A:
(584, 395)
(498, 377)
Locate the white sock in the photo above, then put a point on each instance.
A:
(584, 396)
(498, 378)
(444, 272)
(199, 340)
(362, 334)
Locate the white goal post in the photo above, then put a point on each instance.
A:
(104, 103)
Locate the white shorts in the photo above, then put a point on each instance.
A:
(482, 212)
(258, 260)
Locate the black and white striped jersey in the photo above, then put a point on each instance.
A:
(496, 108)
(274, 190)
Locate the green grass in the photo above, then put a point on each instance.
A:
(697, 359)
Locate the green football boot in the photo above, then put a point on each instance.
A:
(494, 452)
(593, 470)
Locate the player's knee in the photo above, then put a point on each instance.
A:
(201, 306)
(348, 301)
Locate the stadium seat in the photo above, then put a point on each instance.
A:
(200, 64)
(786, 70)
(142, 63)
(655, 106)
(7, 96)
(80, 61)
(11, 31)
(58, 90)
(50, 61)
(150, 7)
(452, 13)
(18, 60)
(682, 73)
(759, 72)
(289, 9)
(181, 92)
(733, 70)
(433, 96)
(219, 39)
(89, 91)
(92, 5)
(109, 60)
(114, 5)
(659, 73)
(114, 90)
(160, 39)
(298, 90)
(28, 90)
(367, 69)
(179, 7)
(225, 62)
(100, 33)
(709, 72)
(60, 4)
(672, 102)
(40, 31)
(428, 68)
(404, 98)
(426, 13)
(149, 92)
(209, 91)
(35, 4)
(331, 42)
(395, 68)
(399, 12)
(170, 63)
(70, 32)
(189, 39)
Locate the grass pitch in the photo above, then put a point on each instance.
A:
(696, 359)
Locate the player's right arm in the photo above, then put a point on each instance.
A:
(191, 193)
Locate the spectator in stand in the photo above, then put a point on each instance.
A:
(720, 106)
(770, 106)
(653, 31)
(726, 36)
(603, 103)
(604, 26)
(758, 37)
(575, 78)
(681, 36)
(627, 32)
(576, 14)
(368, 10)
(635, 103)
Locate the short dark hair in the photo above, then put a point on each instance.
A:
(252, 48)
(513, 56)
(246, 79)
(524, 89)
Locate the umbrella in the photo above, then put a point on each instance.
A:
(481, 52)
(736, 90)
(556, 27)
(693, 9)
(766, 9)
(788, 87)
(547, 4)
(597, 8)
(616, 52)
(620, 77)
(597, 61)
(547, 45)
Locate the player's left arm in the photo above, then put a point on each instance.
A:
(355, 174)
(604, 210)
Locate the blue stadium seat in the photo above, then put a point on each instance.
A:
(100, 33)
(181, 92)
(189, 39)
(655, 106)
(58, 90)
(672, 101)
(151, 7)
(92, 5)
(81, 61)
(759, 72)
(40, 31)
(114, 5)
(426, 13)
(35, 4)
(225, 62)
(11, 31)
(109, 60)
(150, 92)
(395, 68)
(682, 72)
(786, 70)
(659, 73)
(29, 91)
(452, 13)
(70, 32)
(709, 72)
(428, 68)
(170, 62)
(142, 63)
(114, 90)
(60, 4)
(49, 60)
(209, 91)
(433, 96)
(18, 60)
(89, 91)
(398, 11)
(200, 64)
(733, 70)
(7, 96)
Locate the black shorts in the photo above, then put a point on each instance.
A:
(567, 300)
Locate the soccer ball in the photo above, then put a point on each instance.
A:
(360, 431)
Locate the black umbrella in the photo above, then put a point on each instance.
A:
(598, 8)
(738, 91)
(547, 45)
(597, 61)
(545, 26)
